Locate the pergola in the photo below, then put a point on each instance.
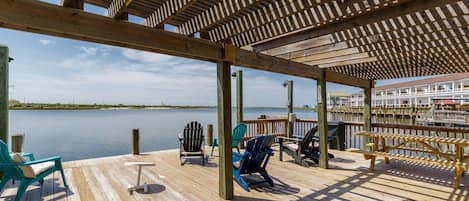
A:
(351, 42)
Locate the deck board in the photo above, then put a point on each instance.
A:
(348, 179)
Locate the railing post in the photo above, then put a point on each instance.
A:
(239, 96)
(17, 142)
(290, 109)
(4, 59)
(135, 142)
(209, 134)
(224, 131)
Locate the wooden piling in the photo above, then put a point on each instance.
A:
(4, 59)
(322, 123)
(135, 141)
(224, 131)
(17, 142)
(209, 134)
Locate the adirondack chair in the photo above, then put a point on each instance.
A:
(331, 136)
(238, 134)
(253, 160)
(26, 172)
(192, 142)
(299, 148)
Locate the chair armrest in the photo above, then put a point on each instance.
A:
(54, 158)
(290, 139)
(30, 156)
(180, 137)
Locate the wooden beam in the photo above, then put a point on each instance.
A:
(245, 58)
(167, 11)
(224, 130)
(77, 4)
(117, 9)
(361, 20)
(322, 122)
(340, 78)
(44, 18)
(217, 13)
(4, 59)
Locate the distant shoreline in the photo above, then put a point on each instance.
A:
(59, 106)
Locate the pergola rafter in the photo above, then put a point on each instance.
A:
(117, 8)
(167, 11)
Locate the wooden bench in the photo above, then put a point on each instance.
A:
(429, 146)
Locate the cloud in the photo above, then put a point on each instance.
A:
(147, 57)
(88, 51)
(45, 42)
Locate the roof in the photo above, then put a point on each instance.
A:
(367, 39)
(339, 94)
(431, 80)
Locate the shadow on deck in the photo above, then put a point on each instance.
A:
(348, 179)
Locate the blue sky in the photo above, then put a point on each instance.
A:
(50, 69)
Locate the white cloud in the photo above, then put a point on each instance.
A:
(45, 42)
(147, 57)
(88, 51)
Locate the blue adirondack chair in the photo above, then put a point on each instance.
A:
(41, 169)
(253, 160)
(238, 134)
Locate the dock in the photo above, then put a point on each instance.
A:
(346, 179)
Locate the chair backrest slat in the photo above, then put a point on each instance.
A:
(238, 134)
(193, 137)
(308, 139)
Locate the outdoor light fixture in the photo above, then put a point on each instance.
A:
(10, 59)
(233, 74)
(285, 84)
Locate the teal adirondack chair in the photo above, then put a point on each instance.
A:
(238, 134)
(39, 170)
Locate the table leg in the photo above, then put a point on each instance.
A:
(139, 174)
(384, 149)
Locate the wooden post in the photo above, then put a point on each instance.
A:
(224, 130)
(135, 142)
(209, 134)
(17, 142)
(322, 123)
(4, 59)
(290, 109)
(239, 96)
(366, 115)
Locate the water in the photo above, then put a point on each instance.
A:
(82, 134)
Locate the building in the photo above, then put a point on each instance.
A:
(454, 88)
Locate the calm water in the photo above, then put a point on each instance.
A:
(95, 133)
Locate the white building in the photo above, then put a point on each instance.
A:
(418, 92)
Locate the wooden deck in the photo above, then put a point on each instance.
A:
(348, 179)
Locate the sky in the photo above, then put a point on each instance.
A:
(55, 70)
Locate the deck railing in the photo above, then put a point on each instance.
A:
(259, 127)
(278, 127)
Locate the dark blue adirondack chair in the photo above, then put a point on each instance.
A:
(12, 170)
(253, 160)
